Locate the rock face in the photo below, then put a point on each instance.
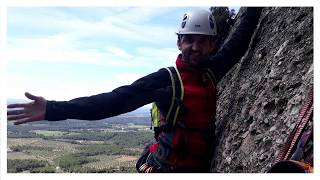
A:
(260, 98)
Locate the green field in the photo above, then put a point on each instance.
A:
(49, 133)
(138, 126)
(51, 152)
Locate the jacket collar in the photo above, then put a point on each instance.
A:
(182, 66)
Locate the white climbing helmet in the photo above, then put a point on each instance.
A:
(198, 22)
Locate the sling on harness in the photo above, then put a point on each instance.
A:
(175, 106)
(296, 156)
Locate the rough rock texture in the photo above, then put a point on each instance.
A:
(260, 98)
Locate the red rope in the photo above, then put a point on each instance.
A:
(303, 118)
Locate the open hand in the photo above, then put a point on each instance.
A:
(28, 112)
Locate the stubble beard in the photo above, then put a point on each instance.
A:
(195, 63)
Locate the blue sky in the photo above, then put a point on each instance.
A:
(64, 53)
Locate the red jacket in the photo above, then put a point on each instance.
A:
(188, 145)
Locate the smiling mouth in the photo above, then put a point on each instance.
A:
(195, 57)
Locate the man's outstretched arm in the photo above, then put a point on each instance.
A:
(121, 100)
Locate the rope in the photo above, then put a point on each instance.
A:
(304, 117)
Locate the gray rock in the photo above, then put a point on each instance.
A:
(263, 157)
(252, 127)
(273, 128)
(228, 159)
(281, 48)
(264, 92)
(245, 134)
(279, 141)
(258, 138)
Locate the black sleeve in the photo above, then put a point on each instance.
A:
(121, 100)
(236, 46)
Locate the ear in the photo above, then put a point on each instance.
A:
(179, 44)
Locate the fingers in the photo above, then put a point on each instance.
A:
(17, 117)
(16, 112)
(18, 105)
(26, 119)
(30, 96)
(22, 121)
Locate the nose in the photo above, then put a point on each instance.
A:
(196, 45)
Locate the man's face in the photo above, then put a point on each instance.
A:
(195, 48)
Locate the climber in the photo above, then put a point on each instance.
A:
(188, 146)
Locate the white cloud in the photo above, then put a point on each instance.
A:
(128, 78)
(18, 85)
(120, 37)
(161, 57)
(134, 24)
(56, 89)
(139, 14)
(113, 57)
(79, 40)
(118, 52)
(53, 42)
